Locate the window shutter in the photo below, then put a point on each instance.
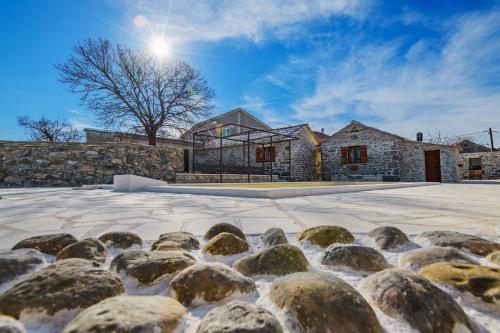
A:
(345, 155)
(364, 154)
(258, 154)
(273, 154)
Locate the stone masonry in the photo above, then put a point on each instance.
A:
(490, 164)
(234, 158)
(74, 164)
(389, 157)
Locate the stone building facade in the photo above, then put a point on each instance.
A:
(238, 117)
(234, 157)
(74, 164)
(360, 152)
(483, 165)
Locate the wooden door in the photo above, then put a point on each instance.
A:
(432, 166)
(186, 160)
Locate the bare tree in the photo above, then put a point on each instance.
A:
(133, 89)
(439, 138)
(45, 129)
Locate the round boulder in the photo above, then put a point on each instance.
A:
(473, 244)
(481, 281)
(322, 302)
(360, 258)
(274, 236)
(66, 284)
(129, 314)
(18, 262)
(494, 257)
(120, 240)
(186, 240)
(209, 283)
(419, 258)
(276, 260)
(223, 227)
(238, 317)
(168, 246)
(10, 325)
(49, 244)
(225, 244)
(89, 248)
(149, 266)
(400, 293)
(325, 235)
(388, 237)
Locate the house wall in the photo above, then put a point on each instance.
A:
(390, 157)
(490, 162)
(384, 156)
(240, 118)
(234, 159)
(74, 164)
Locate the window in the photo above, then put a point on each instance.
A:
(475, 163)
(266, 154)
(226, 131)
(354, 154)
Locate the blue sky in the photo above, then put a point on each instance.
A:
(403, 66)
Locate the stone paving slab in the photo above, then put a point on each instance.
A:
(469, 208)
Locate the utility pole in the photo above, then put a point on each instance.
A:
(491, 139)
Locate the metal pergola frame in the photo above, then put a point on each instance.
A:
(249, 136)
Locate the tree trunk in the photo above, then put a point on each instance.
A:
(152, 138)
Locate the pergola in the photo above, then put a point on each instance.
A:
(246, 137)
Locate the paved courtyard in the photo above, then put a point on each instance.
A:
(469, 208)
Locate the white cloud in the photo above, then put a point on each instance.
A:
(453, 86)
(191, 20)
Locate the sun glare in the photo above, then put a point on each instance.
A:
(159, 47)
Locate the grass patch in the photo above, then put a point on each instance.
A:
(279, 184)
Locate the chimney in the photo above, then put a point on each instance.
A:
(323, 130)
(420, 137)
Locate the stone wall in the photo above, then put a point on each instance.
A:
(74, 164)
(102, 136)
(490, 164)
(389, 157)
(234, 159)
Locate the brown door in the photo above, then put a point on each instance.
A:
(186, 160)
(432, 166)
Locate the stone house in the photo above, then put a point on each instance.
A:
(296, 160)
(480, 165)
(361, 152)
(235, 122)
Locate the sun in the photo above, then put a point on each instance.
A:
(159, 47)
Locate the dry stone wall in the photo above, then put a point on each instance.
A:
(74, 164)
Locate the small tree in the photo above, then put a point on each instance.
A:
(45, 129)
(136, 90)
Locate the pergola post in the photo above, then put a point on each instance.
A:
(192, 162)
(248, 156)
(289, 160)
(220, 158)
(271, 153)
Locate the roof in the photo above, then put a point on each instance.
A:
(222, 115)
(262, 137)
(321, 136)
(354, 122)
